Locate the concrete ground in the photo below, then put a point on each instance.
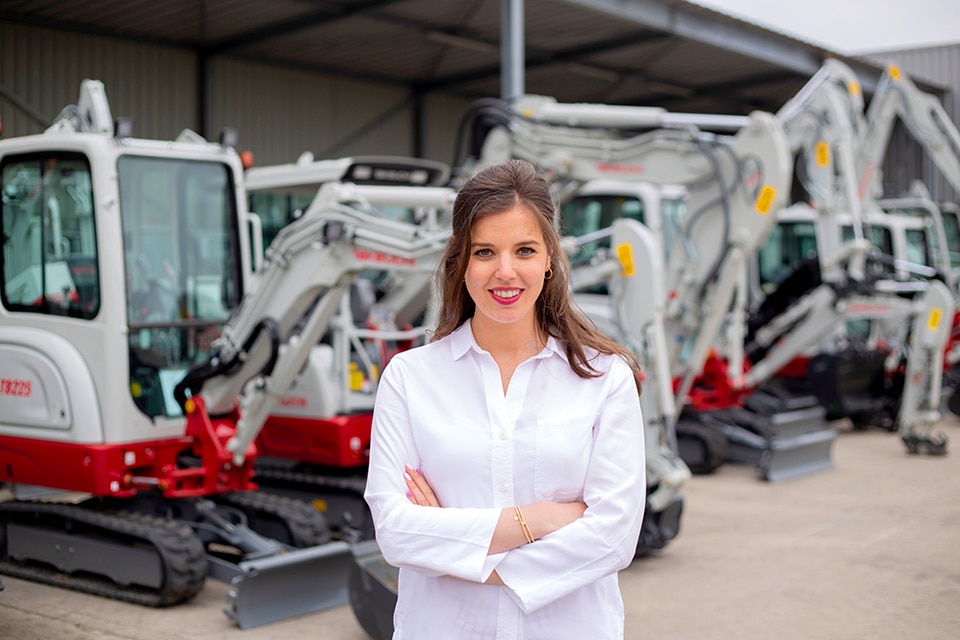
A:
(869, 549)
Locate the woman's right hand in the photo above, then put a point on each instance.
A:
(419, 490)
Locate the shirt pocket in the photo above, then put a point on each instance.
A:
(563, 450)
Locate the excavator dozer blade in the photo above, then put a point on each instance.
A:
(286, 585)
(790, 457)
(784, 442)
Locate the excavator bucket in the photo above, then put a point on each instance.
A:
(285, 585)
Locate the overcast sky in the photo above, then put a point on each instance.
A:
(853, 26)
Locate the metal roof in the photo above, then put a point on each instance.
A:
(667, 53)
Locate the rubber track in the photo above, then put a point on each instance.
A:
(751, 420)
(712, 442)
(351, 484)
(267, 475)
(308, 527)
(181, 551)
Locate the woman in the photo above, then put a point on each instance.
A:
(506, 476)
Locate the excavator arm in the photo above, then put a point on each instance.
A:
(292, 301)
(924, 117)
(825, 123)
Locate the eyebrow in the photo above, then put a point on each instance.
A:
(522, 243)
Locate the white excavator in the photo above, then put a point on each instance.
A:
(851, 266)
(928, 123)
(139, 360)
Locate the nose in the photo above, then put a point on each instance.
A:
(505, 268)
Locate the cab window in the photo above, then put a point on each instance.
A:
(49, 238)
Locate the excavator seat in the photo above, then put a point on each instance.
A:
(801, 281)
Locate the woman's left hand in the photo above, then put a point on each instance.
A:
(419, 491)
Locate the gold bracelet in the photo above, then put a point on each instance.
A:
(523, 523)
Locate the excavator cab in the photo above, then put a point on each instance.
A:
(181, 270)
(590, 213)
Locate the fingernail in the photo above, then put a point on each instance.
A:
(409, 494)
(407, 476)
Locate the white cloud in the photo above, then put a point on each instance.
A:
(853, 26)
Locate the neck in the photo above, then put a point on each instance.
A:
(524, 339)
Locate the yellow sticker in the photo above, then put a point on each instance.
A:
(934, 320)
(765, 200)
(625, 256)
(355, 377)
(894, 71)
(853, 88)
(320, 505)
(823, 154)
(136, 390)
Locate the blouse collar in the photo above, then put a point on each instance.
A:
(462, 341)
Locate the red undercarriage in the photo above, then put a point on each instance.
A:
(123, 470)
(341, 441)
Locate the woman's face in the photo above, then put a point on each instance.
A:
(508, 259)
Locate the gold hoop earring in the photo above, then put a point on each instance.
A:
(548, 274)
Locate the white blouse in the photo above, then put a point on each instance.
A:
(553, 437)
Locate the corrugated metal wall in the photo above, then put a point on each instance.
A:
(156, 86)
(906, 159)
(279, 113)
(442, 114)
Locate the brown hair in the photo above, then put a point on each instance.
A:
(495, 189)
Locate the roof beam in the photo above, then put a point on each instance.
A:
(695, 24)
(298, 23)
(538, 58)
(729, 91)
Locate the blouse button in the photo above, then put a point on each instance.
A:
(503, 486)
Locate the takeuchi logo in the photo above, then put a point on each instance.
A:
(868, 308)
(615, 167)
(366, 255)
